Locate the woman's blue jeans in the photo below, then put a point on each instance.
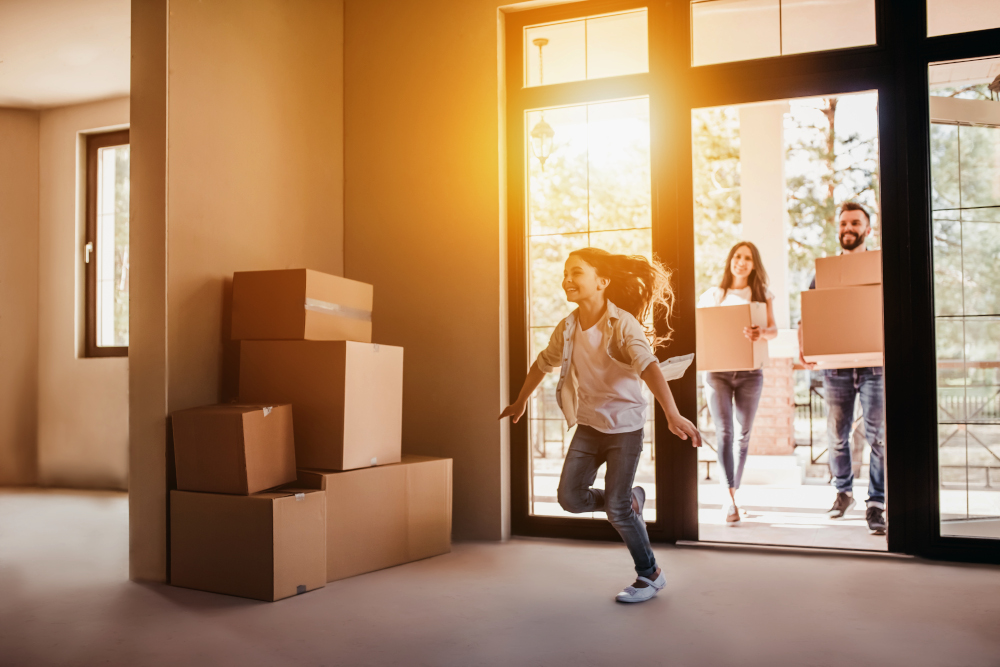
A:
(621, 451)
(728, 393)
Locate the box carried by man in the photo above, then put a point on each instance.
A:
(842, 317)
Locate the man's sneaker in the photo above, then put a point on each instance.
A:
(732, 514)
(841, 505)
(647, 592)
(638, 500)
(876, 520)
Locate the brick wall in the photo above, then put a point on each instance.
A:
(774, 427)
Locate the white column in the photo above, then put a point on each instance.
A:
(762, 195)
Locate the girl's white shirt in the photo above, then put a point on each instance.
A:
(733, 297)
(609, 393)
(622, 339)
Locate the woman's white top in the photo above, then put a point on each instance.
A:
(733, 297)
(609, 392)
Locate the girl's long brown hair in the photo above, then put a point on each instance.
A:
(757, 279)
(638, 286)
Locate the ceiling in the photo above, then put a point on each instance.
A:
(59, 52)
(964, 72)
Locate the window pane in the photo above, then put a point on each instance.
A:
(965, 173)
(589, 187)
(845, 23)
(555, 53)
(727, 30)
(112, 246)
(980, 165)
(557, 186)
(618, 137)
(617, 45)
(594, 48)
(945, 17)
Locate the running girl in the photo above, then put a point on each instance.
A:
(604, 351)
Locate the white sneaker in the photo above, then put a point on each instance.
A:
(633, 594)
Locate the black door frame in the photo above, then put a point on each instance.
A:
(897, 68)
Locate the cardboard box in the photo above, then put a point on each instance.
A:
(384, 516)
(842, 328)
(857, 268)
(348, 398)
(237, 449)
(300, 304)
(720, 341)
(266, 546)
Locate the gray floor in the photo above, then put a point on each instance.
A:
(65, 600)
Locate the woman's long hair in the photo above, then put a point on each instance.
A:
(757, 279)
(637, 286)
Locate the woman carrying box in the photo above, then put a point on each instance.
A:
(743, 281)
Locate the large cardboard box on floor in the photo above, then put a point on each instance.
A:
(266, 546)
(347, 396)
(842, 328)
(720, 341)
(384, 516)
(300, 304)
(237, 449)
(856, 268)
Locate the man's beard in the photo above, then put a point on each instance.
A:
(858, 240)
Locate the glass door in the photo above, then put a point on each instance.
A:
(592, 190)
(965, 202)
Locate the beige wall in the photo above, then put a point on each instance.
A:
(82, 402)
(423, 224)
(253, 179)
(18, 296)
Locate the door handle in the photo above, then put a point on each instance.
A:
(89, 248)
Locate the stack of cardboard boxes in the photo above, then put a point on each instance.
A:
(842, 317)
(305, 346)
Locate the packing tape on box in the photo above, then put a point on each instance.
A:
(267, 411)
(328, 308)
(300, 496)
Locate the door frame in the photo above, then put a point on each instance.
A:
(895, 67)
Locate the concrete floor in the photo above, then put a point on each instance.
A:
(65, 600)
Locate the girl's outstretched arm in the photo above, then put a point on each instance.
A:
(679, 426)
(535, 377)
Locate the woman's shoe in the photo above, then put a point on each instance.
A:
(647, 592)
(732, 514)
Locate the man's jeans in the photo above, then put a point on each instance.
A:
(589, 449)
(841, 386)
(723, 392)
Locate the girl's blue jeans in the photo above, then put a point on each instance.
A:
(729, 393)
(621, 451)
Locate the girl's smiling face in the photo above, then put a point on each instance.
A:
(580, 280)
(742, 264)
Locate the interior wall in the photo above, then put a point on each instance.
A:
(253, 179)
(18, 296)
(423, 224)
(82, 402)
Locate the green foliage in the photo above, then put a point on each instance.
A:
(716, 178)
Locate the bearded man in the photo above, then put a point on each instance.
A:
(841, 387)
